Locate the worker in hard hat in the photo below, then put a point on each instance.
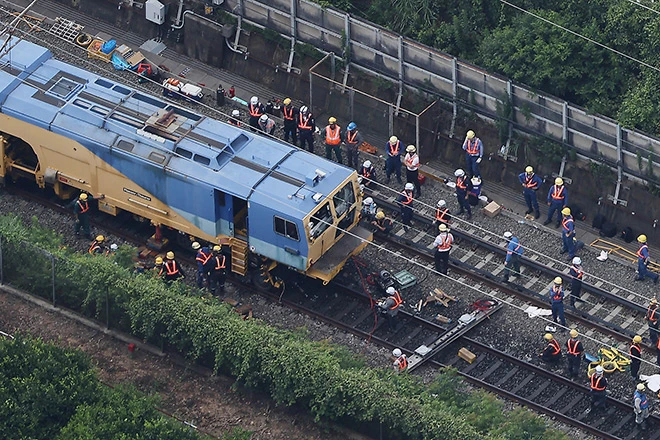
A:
(652, 320)
(389, 306)
(234, 119)
(552, 350)
(98, 246)
(216, 270)
(567, 233)
(635, 356)
(643, 261)
(393, 148)
(81, 213)
(382, 224)
(266, 124)
(411, 161)
(474, 151)
(353, 139)
(598, 390)
(557, 200)
(405, 201)
(557, 301)
(574, 352)
(202, 257)
(442, 245)
(367, 173)
(576, 273)
(442, 214)
(256, 110)
(290, 118)
(641, 405)
(530, 183)
(306, 128)
(400, 361)
(369, 209)
(333, 135)
(173, 270)
(159, 268)
(462, 188)
(514, 252)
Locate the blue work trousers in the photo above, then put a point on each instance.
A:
(569, 245)
(406, 214)
(463, 202)
(643, 272)
(393, 165)
(555, 206)
(531, 200)
(307, 138)
(472, 167)
(558, 313)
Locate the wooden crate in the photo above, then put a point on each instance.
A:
(94, 51)
(466, 355)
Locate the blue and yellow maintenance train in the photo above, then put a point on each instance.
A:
(72, 130)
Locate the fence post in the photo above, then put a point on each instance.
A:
(351, 103)
(294, 33)
(400, 93)
(2, 274)
(564, 134)
(454, 95)
(52, 276)
(107, 308)
(619, 166)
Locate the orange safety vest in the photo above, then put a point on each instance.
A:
(529, 182)
(255, 111)
(408, 197)
(171, 267)
(573, 347)
(564, 223)
(446, 243)
(84, 206)
(202, 257)
(555, 346)
(460, 182)
(350, 137)
(332, 135)
(639, 251)
(288, 113)
(441, 214)
(303, 122)
(397, 300)
(637, 348)
(556, 293)
(403, 362)
(235, 122)
(557, 192)
(579, 271)
(393, 150)
(94, 247)
(595, 383)
(472, 148)
(650, 314)
(219, 262)
(367, 172)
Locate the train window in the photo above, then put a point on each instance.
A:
(156, 157)
(286, 228)
(83, 104)
(320, 221)
(185, 153)
(122, 90)
(64, 88)
(149, 100)
(202, 159)
(100, 110)
(126, 120)
(344, 199)
(185, 114)
(126, 146)
(103, 83)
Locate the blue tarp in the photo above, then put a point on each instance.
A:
(109, 46)
(120, 63)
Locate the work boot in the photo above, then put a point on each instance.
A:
(529, 211)
(469, 216)
(557, 225)
(563, 251)
(655, 280)
(398, 179)
(387, 180)
(537, 215)
(546, 223)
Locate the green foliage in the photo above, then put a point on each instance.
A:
(602, 173)
(505, 112)
(548, 151)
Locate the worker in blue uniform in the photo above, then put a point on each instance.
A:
(641, 405)
(514, 251)
(574, 352)
(306, 129)
(203, 256)
(598, 385)
(531, 183)
(567, 233)
(576, 273)
(557, 301)
(643, 261)
(474, 151)
(557, 200)
(462, 188)
(405, 200)
(552, 351)
(393, 161)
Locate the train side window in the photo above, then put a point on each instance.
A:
(286, 228)
(202, 159)
(156, 157)
(126, 146)
(344, 199)
(185, 153)
(321, 220)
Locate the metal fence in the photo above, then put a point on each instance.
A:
(404, 61)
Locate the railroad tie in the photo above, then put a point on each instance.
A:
(613, 313)
(628, 321)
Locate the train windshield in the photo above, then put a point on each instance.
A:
(344, 199)
(320, 221)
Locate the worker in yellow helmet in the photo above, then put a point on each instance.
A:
(81, 213)
(567, 233)
(333, 137)
(474, 152)
(557, 199)
(557, 301)
(530, 183)
(290, 117)
(98, 246)
(643, 261)
(173, 270)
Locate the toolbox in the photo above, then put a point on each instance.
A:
(404, 279)
(466, 355)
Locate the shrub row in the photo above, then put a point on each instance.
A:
(286, 365)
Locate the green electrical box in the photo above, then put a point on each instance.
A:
(405, 279)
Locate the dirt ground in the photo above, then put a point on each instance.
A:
(208, 402)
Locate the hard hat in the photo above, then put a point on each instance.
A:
(83, 196)
(548, 337)
(508, 234)
(599, 370)
(235, 113)
(287, 101)
(217, 248)
(170, 255)
(529, 170)
(443, 227)
(566, 211)
(470, 134)
(558, 280)
(159, 260)
(642, 238)
(577, 260)
(390, 290)
(100, 238)
(654, 301)
(637, 339)
(368, 201)
(303, 109)
(367, 164)
(114, 247)
(441, 203)
(559, 181)
(332, 120)
(411, 149)
(380, 215)
(409, 186)
(263, 118)
(196, 245)
(351, 126)
(573, 333)
(254, 100)
(640, 387)
(394, 140)
(396, 352)
(459, 172)
(476, 180)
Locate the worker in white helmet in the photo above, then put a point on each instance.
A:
(369, 209)
(598, 385)
(235, 118)
(576, 274)
(400, 362)
(514, 252)
(389, 306)
(405, 201)
(462, 187)
(256, 109)
(442, 215)
(306, 128)
(368, 173)
(266, 124)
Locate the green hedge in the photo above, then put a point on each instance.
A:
(290, 368)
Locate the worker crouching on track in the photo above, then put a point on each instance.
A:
(382, 224)
(598, 385)
(552, 351)
(389, 307)
(514, 251)
(98, 246)
(401, 362)
(557, 301)
(442, 214)
(574, 352)
(442, 245)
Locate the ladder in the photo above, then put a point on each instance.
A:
(66, 29)
(239, 256)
